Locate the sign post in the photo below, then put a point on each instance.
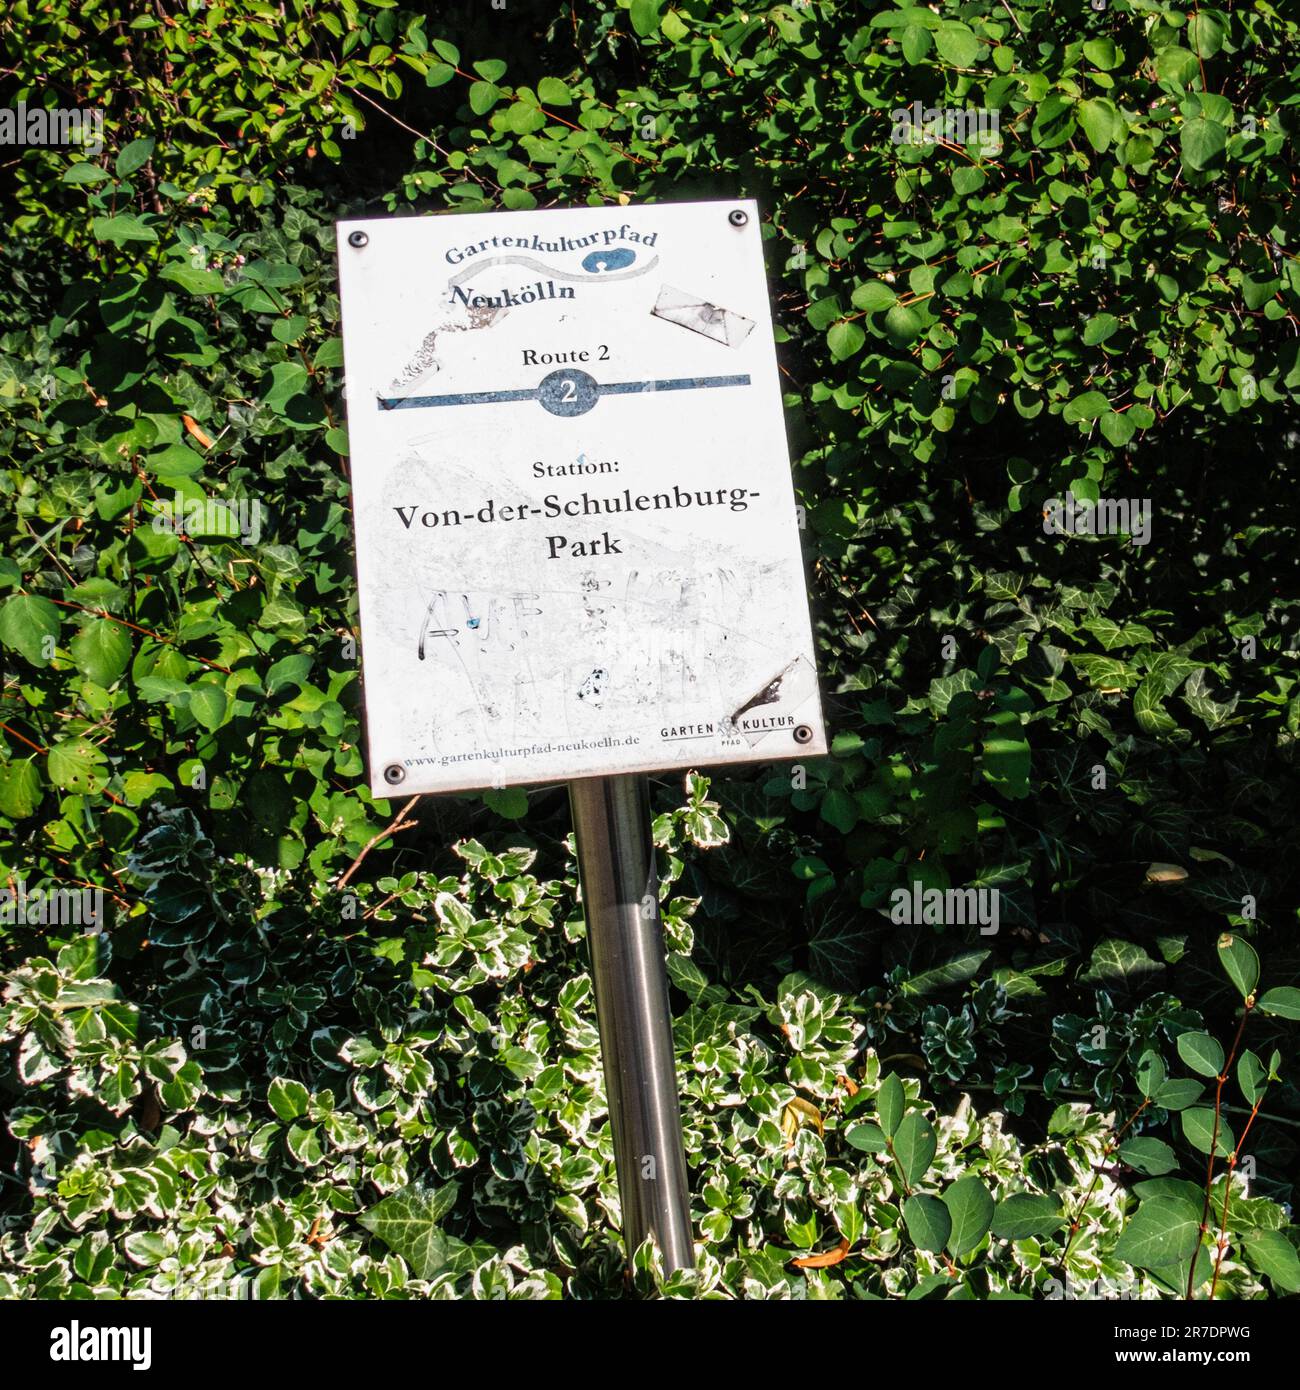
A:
(611, 823)
(578, 559)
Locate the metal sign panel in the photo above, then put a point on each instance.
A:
(577, 543)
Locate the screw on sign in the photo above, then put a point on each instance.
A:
(529, 614)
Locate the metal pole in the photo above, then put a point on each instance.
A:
(616, 865)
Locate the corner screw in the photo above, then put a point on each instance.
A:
(393, 774)
(803, 734)
(738, 217)
(357, 239)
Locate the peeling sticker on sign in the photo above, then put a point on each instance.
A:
(424, 363)
(709, 320)
(779, 706)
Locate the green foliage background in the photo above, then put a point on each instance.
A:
(389, 1086)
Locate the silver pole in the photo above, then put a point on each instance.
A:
(616, 865)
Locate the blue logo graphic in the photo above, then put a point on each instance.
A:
(616, 259)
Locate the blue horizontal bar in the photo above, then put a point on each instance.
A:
(468, 398)
(617, 388)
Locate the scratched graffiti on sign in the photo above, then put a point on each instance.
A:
(576, 534)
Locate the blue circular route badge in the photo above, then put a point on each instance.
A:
(568, 393)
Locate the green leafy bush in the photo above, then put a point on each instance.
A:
(336, 1046)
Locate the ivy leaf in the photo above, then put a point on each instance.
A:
(929, 1222)
(914, 1146)
(1115, 962)
(288, 379)
(971, 1207)
(1148, 706)
(961, 967)
(407, 1222)
(837, 942)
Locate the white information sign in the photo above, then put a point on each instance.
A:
(577, 542)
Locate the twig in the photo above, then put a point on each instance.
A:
(22, 738)
(397, 825)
